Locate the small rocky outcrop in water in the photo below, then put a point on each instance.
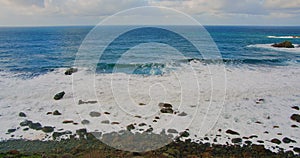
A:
(166, 108)
(295, 117)
(59, 95)
(70, 71)
(285, 44)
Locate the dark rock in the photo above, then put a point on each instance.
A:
(275, 126)
(25, 123)
(58, 134)
(229, 131)
(48, 129)
(70, 71)
(11, 130)
(81, 132)
(253, 136)
(67, 121)
(105, 121)
(86, 102)
(130, 127)
(142, 124)
(184, 134)
(297, 150)
(276, 141)
(294, 126)
(35, 126)
(182, 114)
(149, 130)
(142, 104)
(172, 131)
(259, 101)
(166, 110)
(156, 117)
(49, 113)
(25, 129)
(295, 107)
(85, 122)
(22, 114)
(165, 105)
(56, 112)
(115, 123)
(260, 141)
(206, 138)
(137, 116)
(288, 140)
(59, 95)
(95, 114)
(107, 113)
(285, 44)
(296, 117)
(236, 140)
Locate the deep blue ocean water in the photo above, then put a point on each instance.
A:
(37, 50)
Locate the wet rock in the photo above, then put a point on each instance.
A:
(11, 130)
(229, 131)
(85, 122)
(260, 141)
(149, 130)
(297, 150)
(164, 105)
(107, 113)
(22, 114)
(70, 71)
(81, 132)
(35, 126)
(295, 107)
(296, 117)
(142, 124)
(142, 104)
(86, 102)
(95, 114)
(49, 113)
(130, 127)
(275, 126)
(56, 112)
(276, 141)
(172, 131)
(166, 110)
(288, 140)
(25, 129)
(48, 129)
(182, 114)
(284, 44)
(67, 121)
(115, 123)
(59, 95)
(236, 140)
(25, 123)
(184, 134)
(259, 101)
(105, 121)
(59, 134)
(156, 117)
(253, 136)
(294, 126)
(137, 116)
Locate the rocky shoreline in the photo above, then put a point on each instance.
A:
(89, 146)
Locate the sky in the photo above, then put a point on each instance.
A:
(91, 12)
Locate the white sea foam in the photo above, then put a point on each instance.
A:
(287, 37)
(269, 46)
(279, 87)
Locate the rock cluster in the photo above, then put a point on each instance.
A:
(285, 44)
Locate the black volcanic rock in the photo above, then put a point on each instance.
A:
(70, 71)
(59, 95)
(285, 44)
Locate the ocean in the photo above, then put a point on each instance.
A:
(245, 85)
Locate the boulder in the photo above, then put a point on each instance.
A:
(130, 127)
(36, 126)
(165, 105)
(95, 114)
(288, 140)
(70, 71)
(236, 140)
(48, 129)
(276, 141)
(59, 95)
(56, 112)
(22, 114)
(285, 44)
(229, 131)
(166, 110)
(296, 117)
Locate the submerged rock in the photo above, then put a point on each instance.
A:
(86, 102)
(285, 44)
(36, 126)
(70, 71)
(85, 122)
(288, 140)
(59, 95)
(172, 131)
(182, 114)
(95, 114)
